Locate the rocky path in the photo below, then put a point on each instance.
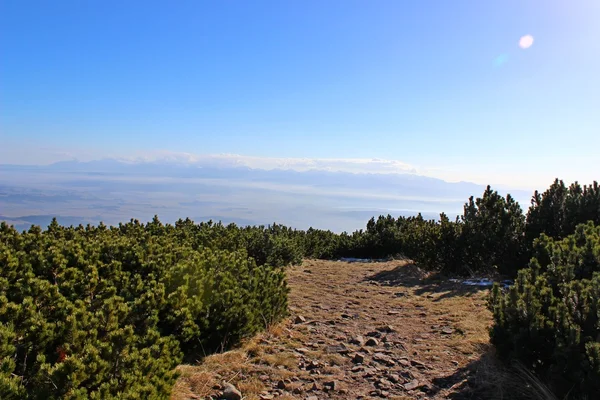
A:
(356, 331)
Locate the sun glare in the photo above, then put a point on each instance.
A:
(526, 41)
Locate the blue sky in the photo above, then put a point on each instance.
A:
(439, 85)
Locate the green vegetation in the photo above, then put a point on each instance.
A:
(492, 235)
(550, 319)
(105, 313)
(108, 312)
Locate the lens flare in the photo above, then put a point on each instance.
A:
(500, 60)
(526, 41)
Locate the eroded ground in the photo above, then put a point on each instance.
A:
(356, 330)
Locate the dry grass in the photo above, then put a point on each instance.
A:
(333, 359)
(251, 385)
(366, 292)
(243, 367)
(287, 360)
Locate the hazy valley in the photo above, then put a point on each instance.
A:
(113, 192)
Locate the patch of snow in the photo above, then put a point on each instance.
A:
(482, 282)
(365, 260)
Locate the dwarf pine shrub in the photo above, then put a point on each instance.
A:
(108, 313)
(550, 319)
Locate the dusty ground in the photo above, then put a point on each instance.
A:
(357, 330)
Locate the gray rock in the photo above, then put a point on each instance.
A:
(412, 385)
(297, 390)
(358, 358)
(383, 384)
(312, 365)
(383, 359)
(358, 340)
(338, 348)
(386, 329)
(230, 392)
(372, 342)
(330, 385)
(419, 364)
(404, 362)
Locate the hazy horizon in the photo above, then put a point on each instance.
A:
(114, 191)
(358, 166)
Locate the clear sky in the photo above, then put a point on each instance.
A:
(454, 88)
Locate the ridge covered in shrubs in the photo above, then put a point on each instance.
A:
(107, 312)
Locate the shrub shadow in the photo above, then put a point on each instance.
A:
(489, 378)
(410, 275)
(469, 382)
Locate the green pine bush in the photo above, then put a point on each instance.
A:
(109, 312)
(550, 319)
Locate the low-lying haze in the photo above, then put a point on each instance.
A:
(114, 191)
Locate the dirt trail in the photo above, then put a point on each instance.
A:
(357, 330)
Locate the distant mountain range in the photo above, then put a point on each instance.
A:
(114, 190)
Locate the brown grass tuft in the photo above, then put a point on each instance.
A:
(286, 360)
(251, 385)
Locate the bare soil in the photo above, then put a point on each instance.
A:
(357, 330)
